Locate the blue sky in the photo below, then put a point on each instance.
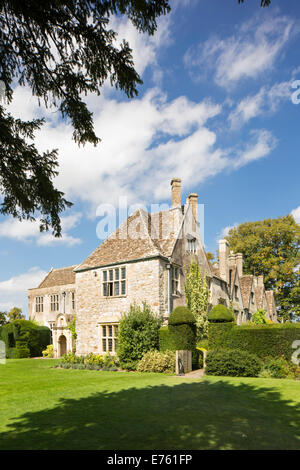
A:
(215, 109)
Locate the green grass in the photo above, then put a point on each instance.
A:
(46, 408)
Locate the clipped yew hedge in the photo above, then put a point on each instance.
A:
(182, 329)
(23, 338)
(263, 340)
(166, 342)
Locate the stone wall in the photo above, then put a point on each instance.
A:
(145, 281)
(47, 315)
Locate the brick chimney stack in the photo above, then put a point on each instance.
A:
(176, 192)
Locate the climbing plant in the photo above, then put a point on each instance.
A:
(197, 298)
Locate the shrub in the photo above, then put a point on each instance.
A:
(259, 317)
(232, 363)
(155, 361)
(138, 334)
(220, 314)
(182, 329)
(48, 352)
(274, 367)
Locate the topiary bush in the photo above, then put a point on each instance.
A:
(234, 363)
(181, 315)
(155, 361)
(220, 314)
(25, 335)
(138, 334)
(166, 342)
(182, 329)
(218, 334)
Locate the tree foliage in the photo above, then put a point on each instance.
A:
(3, 319)
(259, 317)
(272, 248)
(197, 298)
(15, 314)
(62, 50)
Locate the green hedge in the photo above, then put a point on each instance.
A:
(218, 333)
(24, 338)
(263, 340)
(166, 342)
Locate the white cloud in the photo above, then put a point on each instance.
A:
(144, 143)
(296, 214)
(225, 231)
(13, 291)
(261, 146)
(28, 231)
(266, 101)
(253, 49)
(144, 47)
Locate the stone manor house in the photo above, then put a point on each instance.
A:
(143, 260)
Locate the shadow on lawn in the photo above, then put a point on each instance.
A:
(200, 415)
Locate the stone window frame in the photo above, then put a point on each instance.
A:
(113, 283)
(175, 281)
(39, 304)
(54, 302)
(109, 337)
(191, 245)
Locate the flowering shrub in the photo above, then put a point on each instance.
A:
(155, 361)
(90, 362)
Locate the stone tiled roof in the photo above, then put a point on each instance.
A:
(59, 277)
(246, 285)
(140, 236)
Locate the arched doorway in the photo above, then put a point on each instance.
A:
(62, 345)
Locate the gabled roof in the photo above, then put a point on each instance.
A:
(142, 235)
(246, 287)
(59, 277)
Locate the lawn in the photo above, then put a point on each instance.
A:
(46, 408)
